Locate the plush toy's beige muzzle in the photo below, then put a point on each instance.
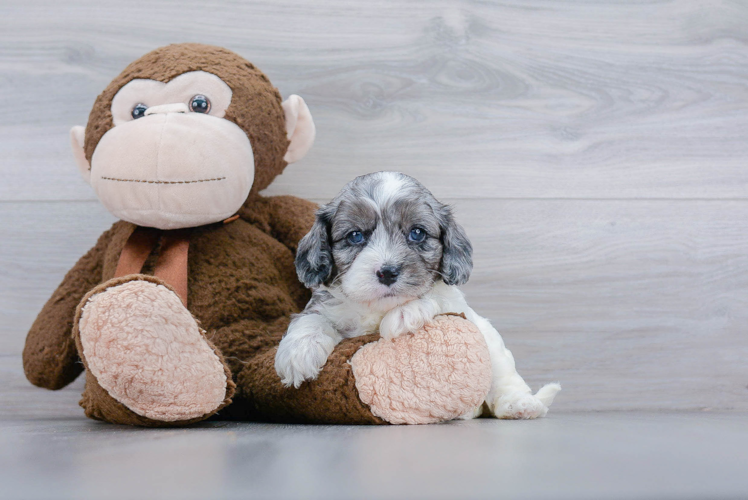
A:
(173, 169)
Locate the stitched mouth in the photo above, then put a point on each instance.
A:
(145, 181)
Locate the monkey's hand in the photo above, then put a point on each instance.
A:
(409, 317)
(50, 358)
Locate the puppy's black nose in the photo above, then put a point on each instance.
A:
(388, 274)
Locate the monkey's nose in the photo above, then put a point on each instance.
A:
(388, 274)
(177, 107)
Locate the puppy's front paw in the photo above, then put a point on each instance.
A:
(301, 357)
(518, 406)
(408, 317)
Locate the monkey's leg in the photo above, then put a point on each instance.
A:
(439, 373)
(147, 360)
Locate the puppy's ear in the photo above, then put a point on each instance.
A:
(314, 262)
(457, 252)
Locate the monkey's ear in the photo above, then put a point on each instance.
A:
(77, 137)
(314, 261)
(299, 128)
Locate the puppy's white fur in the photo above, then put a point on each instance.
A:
(303, 354)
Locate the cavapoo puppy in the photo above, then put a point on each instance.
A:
(386, 255)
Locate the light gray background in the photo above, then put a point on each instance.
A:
(594, 150)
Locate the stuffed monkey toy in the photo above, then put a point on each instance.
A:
(177, 311)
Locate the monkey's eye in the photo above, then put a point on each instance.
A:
(417, 235)
(355, 237)
(200, 104)
(139, 111)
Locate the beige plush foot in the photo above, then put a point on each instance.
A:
(148, 352)
(439, 373)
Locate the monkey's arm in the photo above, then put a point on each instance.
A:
(49, 356)
(286, 218)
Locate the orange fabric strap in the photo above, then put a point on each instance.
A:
(172, 262)
(171, 265)
(137, 249)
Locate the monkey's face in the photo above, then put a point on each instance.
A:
(171, 160)
(186, 150)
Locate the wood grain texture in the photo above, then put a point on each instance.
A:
(596, 152)
(592, 455)
(509, 99)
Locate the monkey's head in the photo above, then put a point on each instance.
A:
(186, 135)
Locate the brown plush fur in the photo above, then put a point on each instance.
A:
(242, 284)
(330, 399)
(242, 289)
(50, 353)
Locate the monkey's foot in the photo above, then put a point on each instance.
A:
(441, 372)
(148, 352)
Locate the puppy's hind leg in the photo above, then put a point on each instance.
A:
(510, 397)
(548, 392)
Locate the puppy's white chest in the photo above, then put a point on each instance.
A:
(353, 319)
(360, 323)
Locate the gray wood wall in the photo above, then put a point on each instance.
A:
(595, 151)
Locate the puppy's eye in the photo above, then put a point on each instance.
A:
(355, 237)
(417, 235)
(200, 104)
(138, 111)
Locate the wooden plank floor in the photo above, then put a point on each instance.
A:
(595, 151)
(49, 450)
